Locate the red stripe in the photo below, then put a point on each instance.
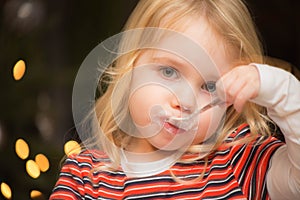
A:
(214, 184)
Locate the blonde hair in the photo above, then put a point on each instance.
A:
(229, 18)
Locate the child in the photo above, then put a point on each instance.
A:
(145, 154)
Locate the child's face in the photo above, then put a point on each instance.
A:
(165, 84)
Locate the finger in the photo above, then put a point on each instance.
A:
(246, 93)
(239, 85)
(224, 85)
(240, 101)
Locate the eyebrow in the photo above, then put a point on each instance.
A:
(174, 61)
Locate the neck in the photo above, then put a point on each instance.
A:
(140, 145)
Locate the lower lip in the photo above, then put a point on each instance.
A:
(171, 128)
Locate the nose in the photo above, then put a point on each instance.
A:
(185, 109)
(184, 101)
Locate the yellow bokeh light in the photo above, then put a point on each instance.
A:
(22, 149)
(32, 169)
(19, 70)
(6, 191)
(72, 147)
(35, 194)
(42, 161)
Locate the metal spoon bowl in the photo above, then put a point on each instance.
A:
(186, 123)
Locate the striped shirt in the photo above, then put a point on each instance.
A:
(236, 172)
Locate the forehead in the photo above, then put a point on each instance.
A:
(198, 43)
(212, 42)
(198, 29)
(197, 70)
(196, 46)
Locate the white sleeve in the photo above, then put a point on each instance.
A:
(280, 93)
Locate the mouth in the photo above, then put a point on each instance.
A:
(171, 128)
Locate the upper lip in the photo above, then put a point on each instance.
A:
(174, 125)
(171, 124)
(165, 118)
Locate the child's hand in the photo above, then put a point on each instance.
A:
(239, 85)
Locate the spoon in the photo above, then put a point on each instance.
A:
(186, 123)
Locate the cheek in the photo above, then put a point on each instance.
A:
(142, 100)
(202, 131)
(209, 122)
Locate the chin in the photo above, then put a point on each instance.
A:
(167, 142)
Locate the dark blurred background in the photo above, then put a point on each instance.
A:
(53, 37)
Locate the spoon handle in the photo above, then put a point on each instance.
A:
(215, 102)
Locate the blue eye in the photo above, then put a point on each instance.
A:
(209, 86)
(169, 72)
